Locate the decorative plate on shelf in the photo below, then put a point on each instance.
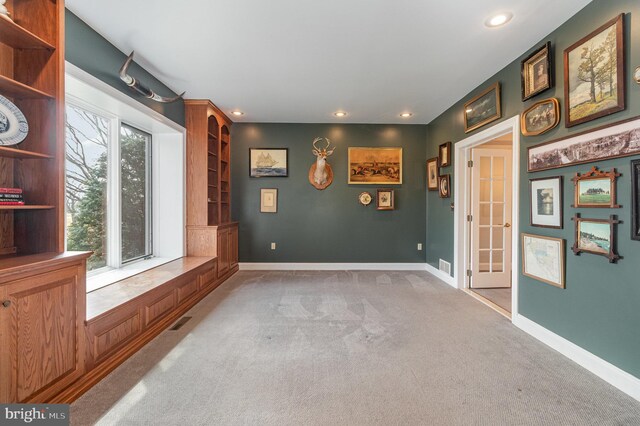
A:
(13, 124)
(365, 198)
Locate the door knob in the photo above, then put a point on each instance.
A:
(6, 303)
(507, 225)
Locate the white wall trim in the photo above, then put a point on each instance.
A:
(608, 372)
(266, 266)
(441, 275)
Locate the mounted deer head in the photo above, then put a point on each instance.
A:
(320, 173)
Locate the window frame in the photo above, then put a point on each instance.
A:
(114, 183)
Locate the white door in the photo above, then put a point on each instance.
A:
(491, 218)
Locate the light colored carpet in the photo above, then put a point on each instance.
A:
(499, 296)
(349, 348)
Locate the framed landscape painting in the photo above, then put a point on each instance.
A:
(268, 162)
(596, 236)
(546, 202)
(543, 259)
(375, 166)
(596, 189)
(594, 74)
(482, 109)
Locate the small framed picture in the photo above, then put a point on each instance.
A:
(635, 200)
(432, 174)
(546, 202)
(482, 109)
(444, 154)
(268, 162)
(536, 72)
(596, 189)
(540, 117)
(268, 200)
(636, 75)
(444, 186)
(385, 199)
(543, 259)
(596, 236)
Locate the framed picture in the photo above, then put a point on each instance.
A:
(432, 174)
(482, 109)
(385, 199)
(635, 200)
(596, 236)
(546, 202)
(375, 166)
(444, 154)
(636, 75)
(594, 74)
(536, 72)
(543, 259)
(268, 162)
(540, 117)
(595, 189)
(615, 140)
(444, 186)
(268, 200)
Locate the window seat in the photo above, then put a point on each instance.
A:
(129, 289)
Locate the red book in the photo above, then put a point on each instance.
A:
(11, 203)
(11, 190)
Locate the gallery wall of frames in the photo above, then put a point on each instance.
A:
(577, 93)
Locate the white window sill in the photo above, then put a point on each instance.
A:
(114, 275)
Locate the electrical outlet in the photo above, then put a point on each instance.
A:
(419, 246)
(273, 246)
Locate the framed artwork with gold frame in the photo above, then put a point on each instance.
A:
(432, 174)
(385, 199)
(483, 108)
(595, 189)
(371, 166)
(540, 117)
(536, 72)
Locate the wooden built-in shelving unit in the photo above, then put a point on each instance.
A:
(32, 77)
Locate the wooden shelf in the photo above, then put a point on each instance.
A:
(27, 207)
(21, 153)
(212, 136)
(212, 153)
(212, 170)
(13, 88)
(15, 36)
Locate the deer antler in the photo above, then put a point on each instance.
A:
(138, 87)
(316, 140)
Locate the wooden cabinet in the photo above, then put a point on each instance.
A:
(233, 246)
(42, 338)
(227, 248)
(32, 77)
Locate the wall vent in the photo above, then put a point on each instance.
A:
(182, 321)
(445, 267)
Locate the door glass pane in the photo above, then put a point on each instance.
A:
(497, 261)
(498, 233)
(498, 190)
(86, 139)
(485, 167)
(485, 191)
(135, 147)
(484, 238)
(485, 214)
(498, 214)
(485, 260)
(498, 167)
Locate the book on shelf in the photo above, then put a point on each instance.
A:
(10, 190)
(11, 203)
(5, 195)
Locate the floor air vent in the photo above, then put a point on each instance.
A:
(182, 321)
(445, 267)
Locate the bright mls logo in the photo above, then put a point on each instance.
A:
(34, 414)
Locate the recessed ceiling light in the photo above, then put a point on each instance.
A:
(237, 113)
(498, 20)
(406, 115)
(340, 114)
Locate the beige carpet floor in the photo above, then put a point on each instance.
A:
(349, 348)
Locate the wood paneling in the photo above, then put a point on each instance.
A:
(160, 307)
(42, 331)
(107, 337)
(233, 246)
(185, 291)
(201, 241)
(223, 252)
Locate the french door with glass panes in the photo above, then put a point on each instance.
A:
(491, 218)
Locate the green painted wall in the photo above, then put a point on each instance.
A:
(328, 225)
(87, 49)
(600, 308)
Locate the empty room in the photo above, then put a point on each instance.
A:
(319, 213)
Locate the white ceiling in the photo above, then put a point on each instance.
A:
(299, 61)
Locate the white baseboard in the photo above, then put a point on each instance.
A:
(265, 266)
(439, 274)
(622, 380)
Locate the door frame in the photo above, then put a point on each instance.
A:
(462, 203)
